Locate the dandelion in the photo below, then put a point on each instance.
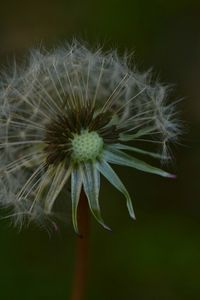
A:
(66, 117)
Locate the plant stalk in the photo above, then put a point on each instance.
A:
(81, 254)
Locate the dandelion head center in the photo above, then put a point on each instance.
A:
(86, 146)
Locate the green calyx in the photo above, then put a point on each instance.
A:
(86, 146)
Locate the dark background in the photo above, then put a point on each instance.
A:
(158, 256)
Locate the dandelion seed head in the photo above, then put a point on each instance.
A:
(66, 116)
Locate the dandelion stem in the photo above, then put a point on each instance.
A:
(81, 255)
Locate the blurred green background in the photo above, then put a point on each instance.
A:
(158, 256)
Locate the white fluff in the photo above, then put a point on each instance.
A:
(35, 93)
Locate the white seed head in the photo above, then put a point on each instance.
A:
(71, 113)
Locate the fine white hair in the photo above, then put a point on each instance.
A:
(34, 93)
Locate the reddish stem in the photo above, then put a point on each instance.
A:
(81, 255)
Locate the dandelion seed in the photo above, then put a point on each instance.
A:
(66, 117)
